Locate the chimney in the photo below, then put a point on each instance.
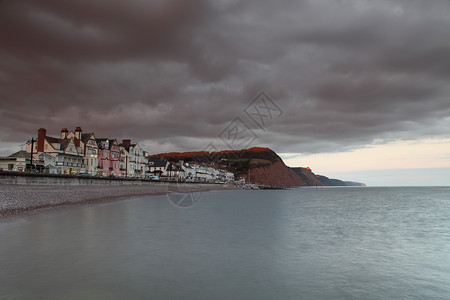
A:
(126, 142)
(41, 137)
(64, 132)
(78, 133)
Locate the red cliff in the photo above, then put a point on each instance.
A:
(275, 175)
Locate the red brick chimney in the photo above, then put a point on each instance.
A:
(126, 142)
(64, 132)
(41, 137)
(78, 133)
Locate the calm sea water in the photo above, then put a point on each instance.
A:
(329, 243)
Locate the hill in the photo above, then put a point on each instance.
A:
(336, 182)
(262, 165)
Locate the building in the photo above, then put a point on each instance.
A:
(189, 171)
(67, 157)
(157, 167)
(134, 163)
(20, 162)
(87, 145)
(175, 173)
(49, 163)
(108, 157)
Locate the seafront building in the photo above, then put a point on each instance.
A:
(108, 157)
(78, 153)
(18, 162)
(66, 156)
(157, 168)
(133, 160)
(87, 146)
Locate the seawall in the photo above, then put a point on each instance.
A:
(67, 180)
(22, 192)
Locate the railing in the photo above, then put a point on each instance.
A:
(66, 164)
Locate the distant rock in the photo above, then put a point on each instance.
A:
(336, 182)
(352, 183)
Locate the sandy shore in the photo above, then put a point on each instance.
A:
(17, 199)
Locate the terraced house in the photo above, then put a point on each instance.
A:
(133, 161)
(108, 157)
(68, 159)
(87, 145)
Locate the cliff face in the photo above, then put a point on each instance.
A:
(336, 182)
(275, 175)
(308, 176)
(330, 182)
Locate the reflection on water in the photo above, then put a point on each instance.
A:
(340, 243)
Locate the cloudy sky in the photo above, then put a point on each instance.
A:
(346, 87)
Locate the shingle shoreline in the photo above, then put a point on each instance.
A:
(16, 199)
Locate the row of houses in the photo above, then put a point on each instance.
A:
(187, 172)
(75, 153)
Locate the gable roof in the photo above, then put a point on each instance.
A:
(21, 154)
(154, 162)
(64, 144)
(52, 140)
(85, 137)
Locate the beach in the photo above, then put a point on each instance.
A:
(17, 199)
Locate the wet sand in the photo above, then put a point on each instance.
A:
(18, 199)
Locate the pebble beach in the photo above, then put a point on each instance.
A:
(17, 199)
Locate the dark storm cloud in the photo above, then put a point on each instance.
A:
(175, 73)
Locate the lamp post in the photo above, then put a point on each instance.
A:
(32, 150)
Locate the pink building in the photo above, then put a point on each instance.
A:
(108, 157)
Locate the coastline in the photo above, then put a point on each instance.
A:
(20, 199)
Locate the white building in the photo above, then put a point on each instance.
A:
(134, 160)
(157, 167)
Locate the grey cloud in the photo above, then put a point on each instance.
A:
(174, 73)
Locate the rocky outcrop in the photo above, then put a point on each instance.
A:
(275, 175)
(308, 176)
(336, 182)
(330, 182)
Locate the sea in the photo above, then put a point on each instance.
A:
(302, 243)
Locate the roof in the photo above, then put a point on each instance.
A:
(52, 140)
(127, 147)
(21, 154)
(64, 144)
(154, 162)
(85, 137)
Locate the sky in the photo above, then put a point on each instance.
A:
(354, 89)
